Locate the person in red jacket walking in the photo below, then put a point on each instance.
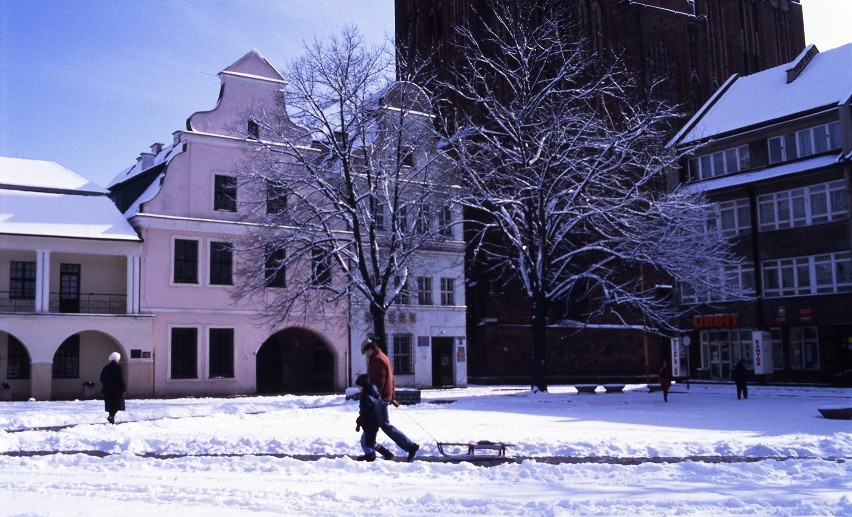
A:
(380, 374)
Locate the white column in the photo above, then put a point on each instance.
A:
(133, 278)
(42, 300)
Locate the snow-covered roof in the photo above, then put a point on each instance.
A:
(818, 80)
(39, 198)
(147, 195)
(762, 174)
(165, 154)
(20, 172)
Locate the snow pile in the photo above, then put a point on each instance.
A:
(704, 452)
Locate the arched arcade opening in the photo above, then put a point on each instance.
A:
(295, 360)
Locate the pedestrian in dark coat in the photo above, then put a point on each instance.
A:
(370, 414)
(665, 375)
(740, 374)
(113, 388)
(380, 374)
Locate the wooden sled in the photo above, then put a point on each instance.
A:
(499, 448)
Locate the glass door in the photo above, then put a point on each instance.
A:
(69, 288)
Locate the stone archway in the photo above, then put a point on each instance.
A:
(295, 360)
(78, 361)
(14, 368)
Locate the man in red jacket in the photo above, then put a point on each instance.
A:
(380, 374)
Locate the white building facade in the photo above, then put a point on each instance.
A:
(69, 286)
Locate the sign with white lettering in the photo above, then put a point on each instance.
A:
(762, 351)
(676, 357)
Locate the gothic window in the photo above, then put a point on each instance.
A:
(662, 72)
(596, 29)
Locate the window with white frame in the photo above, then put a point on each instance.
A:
(402, 354)
(833, 272)
(445, 222)
(221, 263)
(806, 206)
(424, 290)
(730, 217)
(448, 291)
(807, 142)
(221, 353)
(320, 267)
(423, 223)
(275, 272)
(185, 263)
(22, 280)
(224, 193)
(381, 219)
(819, 274)
(738, 277)
(183, 360)
(728, 161)
(403, 297)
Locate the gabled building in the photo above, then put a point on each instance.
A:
(189, 205)
(774, 155)
(185, 202)
(69, 286)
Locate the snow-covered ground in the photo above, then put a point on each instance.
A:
(702, 453)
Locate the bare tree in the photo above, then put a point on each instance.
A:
(564, 166)
(350, 188)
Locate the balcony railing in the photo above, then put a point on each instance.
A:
(85, 303)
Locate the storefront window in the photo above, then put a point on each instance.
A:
(804, 348)
(777, 349)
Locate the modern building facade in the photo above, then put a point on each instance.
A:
(775, 158)
(689, 48)
(69, 286)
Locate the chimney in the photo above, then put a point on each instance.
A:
(145, 160)
(156, 148)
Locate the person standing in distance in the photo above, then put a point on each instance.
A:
(665, 375)
(740, 375)
(113, 387)
(380, 374)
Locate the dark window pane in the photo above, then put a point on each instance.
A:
(186, 262)
(221, 353)
(184, 353)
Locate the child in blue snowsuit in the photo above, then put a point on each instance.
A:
(369, 418)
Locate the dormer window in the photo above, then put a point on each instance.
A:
(253, 129)
(807, 142)
(719, 163)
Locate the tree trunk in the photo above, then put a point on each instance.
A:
(380, 334)
(539, 345)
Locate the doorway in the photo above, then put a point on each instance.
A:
(442, 362)
(295, 360)
(69, 288)
(720, 355)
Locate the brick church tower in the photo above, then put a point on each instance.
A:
(691, 47)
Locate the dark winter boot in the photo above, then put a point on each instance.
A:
(371, 456)
(386, 454)
(412, 451)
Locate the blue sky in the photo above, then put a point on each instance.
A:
(92, 83)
